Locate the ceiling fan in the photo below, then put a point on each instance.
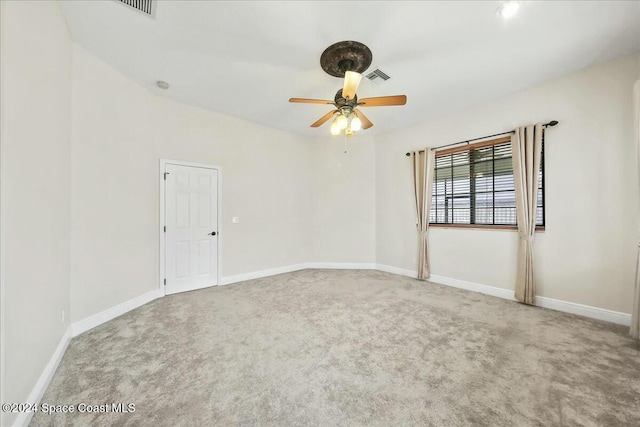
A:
(348, 59)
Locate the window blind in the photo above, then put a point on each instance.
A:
(476, 186)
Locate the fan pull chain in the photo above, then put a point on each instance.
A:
(345, 143)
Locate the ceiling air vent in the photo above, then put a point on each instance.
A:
(144, 6)
(377, 76)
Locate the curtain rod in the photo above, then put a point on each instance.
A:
(551, 123)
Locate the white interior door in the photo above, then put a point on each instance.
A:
(191, 220)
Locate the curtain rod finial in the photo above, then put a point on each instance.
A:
(553, 123)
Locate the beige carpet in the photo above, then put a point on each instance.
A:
(348, 348)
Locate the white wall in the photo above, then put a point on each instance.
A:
(343, 212)
(587, 253)
(120, 131)
(35, 142)
(299, 199)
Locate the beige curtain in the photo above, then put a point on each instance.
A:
(526, 146)
(635, 317)
(423, 170)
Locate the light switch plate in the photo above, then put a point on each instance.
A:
(235, 219)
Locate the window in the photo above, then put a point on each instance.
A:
(474, 185)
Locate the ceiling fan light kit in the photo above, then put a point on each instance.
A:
(356, 123)
(348, 60)
(347, 121)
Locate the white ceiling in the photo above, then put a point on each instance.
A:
(247, 58)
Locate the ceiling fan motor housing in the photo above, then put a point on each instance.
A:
(340, 101)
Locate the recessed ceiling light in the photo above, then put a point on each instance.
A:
(162, 85)
(508, 9)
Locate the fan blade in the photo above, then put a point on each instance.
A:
(366, 123)
(383, 101)
(310, 101)
(323, 119)
(351, 82)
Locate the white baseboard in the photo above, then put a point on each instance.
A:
(553, 304)
(24, 418)
(343, 265)
(397, 270)
(75, 329)
(540, 301)
(475, 287)
(111, 313)
(227, 280)
(544, 302)
(585, 310)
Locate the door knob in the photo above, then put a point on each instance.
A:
(213, 233)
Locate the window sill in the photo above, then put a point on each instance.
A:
(539, 228)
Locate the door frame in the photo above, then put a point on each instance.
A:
(163, 163)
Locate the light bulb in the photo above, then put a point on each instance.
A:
(356, 124)
(342, 121)
(508, 9)
(335, 129)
